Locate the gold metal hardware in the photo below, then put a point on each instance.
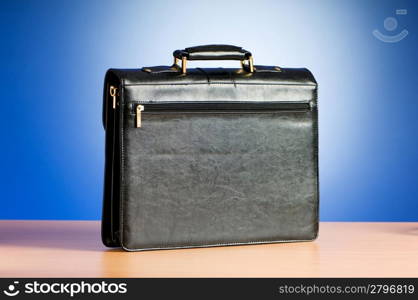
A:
(139, 110)
(184, 64)
(113, 91)
(251, 64)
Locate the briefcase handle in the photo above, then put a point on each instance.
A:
(213, 52)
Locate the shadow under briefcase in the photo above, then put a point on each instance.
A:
(209, 156)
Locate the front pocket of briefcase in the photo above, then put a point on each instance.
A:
(218, 173)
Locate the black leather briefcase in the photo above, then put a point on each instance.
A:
(210, 156)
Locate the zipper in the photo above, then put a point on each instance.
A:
(113, 91)
(242, 106)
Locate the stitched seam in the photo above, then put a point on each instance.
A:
(151, 100)
(316, 154)
(216, 244)
(220, 83)
(226, 113)
(122, 164)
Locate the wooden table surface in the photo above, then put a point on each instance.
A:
(74, 249)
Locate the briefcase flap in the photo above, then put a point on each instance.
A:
(266, 84)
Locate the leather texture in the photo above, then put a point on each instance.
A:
(223, 157)
(213, 52)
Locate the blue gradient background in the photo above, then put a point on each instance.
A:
(54, 55)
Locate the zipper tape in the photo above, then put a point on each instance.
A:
(180, 107)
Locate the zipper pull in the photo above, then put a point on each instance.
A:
(139, 110)
(113, 92)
